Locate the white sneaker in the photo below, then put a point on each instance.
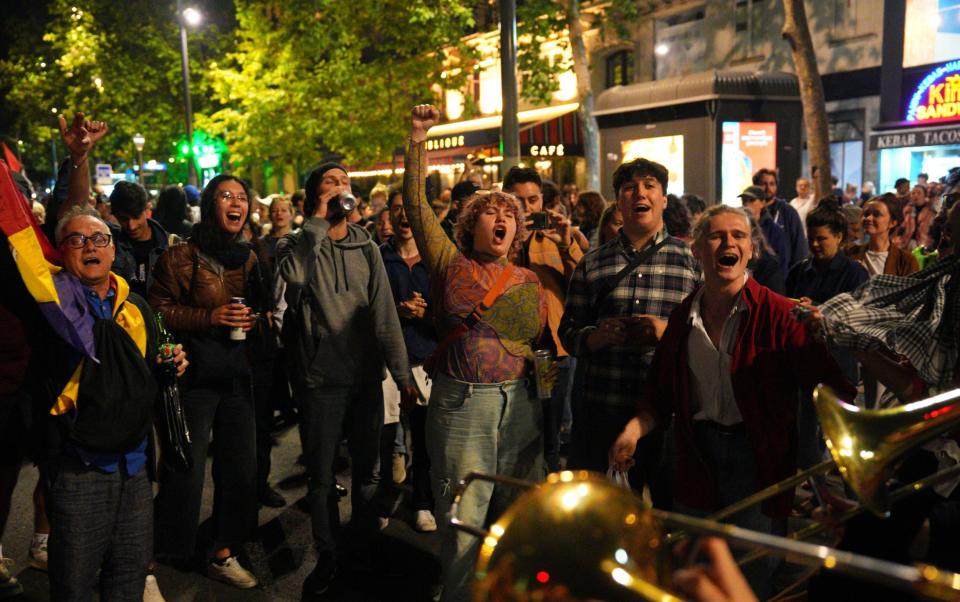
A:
(38, 552)
(232, 573)
(151, 591)
(425, 522)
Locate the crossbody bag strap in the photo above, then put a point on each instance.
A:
(608, 284)
(471, 319)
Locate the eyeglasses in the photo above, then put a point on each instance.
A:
(78, 241)
(226, 195)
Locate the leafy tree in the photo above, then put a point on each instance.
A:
(118, 63)
(310, 79)
(564, 22)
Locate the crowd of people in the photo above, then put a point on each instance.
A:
(517, 330)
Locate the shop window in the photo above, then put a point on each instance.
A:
(932, 32)
(620, 68)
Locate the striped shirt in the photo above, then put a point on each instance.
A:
(616, 375)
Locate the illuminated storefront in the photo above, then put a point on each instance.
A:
(711, 130)
(927, 140)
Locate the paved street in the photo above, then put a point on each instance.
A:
(282, 557)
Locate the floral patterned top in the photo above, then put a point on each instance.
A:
(496, 349)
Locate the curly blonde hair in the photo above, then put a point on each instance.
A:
(474, 205)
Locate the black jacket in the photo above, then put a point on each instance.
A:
(419, 334)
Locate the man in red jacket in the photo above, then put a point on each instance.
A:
(731, 367)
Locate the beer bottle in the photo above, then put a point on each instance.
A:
(165, 346)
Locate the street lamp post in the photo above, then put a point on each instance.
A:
(191, 17)
(138, 141)
(510, 130)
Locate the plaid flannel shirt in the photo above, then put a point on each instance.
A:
(916, 316)
(616, 375)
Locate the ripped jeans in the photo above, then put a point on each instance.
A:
(490, 428)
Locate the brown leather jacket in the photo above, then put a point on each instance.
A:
(189, 310)
(899, 262)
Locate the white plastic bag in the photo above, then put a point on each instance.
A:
(618, 478)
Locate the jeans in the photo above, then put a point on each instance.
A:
(226, 410)
(553, 415)
(732, 463)
(327, 413)
(98, 522)
(490, 428)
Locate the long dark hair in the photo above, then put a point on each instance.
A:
(207, 234)
(171, 208)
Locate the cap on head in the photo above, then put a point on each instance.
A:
(752, 193)
(193, 194)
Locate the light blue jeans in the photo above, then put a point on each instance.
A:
(490, 428)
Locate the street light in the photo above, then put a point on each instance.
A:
(138, 141)
(192, 17)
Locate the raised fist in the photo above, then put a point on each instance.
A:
(423, 117)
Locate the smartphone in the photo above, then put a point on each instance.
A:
(539, 221)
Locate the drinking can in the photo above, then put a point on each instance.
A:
(237, 334)
(542, 361)
(347, 201)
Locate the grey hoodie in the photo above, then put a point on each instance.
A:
(348, 322)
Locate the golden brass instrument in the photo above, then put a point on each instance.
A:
(576, 537)
(865, 445)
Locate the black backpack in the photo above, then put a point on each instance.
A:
(116, 398)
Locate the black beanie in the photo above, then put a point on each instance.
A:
(313, 183)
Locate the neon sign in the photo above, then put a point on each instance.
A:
(937, 98)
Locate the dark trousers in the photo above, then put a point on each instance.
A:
(422, 492)
(732, 463)
(553, 415)
(102, 523)
(264, 403)
(327, 413)
(596, 427)
(227, 411)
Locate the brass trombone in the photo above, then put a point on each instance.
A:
(578, 537)
(865, 445)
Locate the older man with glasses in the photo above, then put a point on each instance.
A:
(98, 416)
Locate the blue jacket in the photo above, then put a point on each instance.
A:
(777, 240)
(419, 335)
(788, 219)
(841, 275)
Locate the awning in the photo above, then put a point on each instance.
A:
(495, 121)
(559, 136)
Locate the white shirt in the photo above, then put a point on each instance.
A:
(875, 261)
(803, 205)
(712, 387)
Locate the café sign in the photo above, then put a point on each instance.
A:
(937, 98)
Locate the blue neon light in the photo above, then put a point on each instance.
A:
(928, 81)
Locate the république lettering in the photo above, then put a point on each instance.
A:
(448, 142)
